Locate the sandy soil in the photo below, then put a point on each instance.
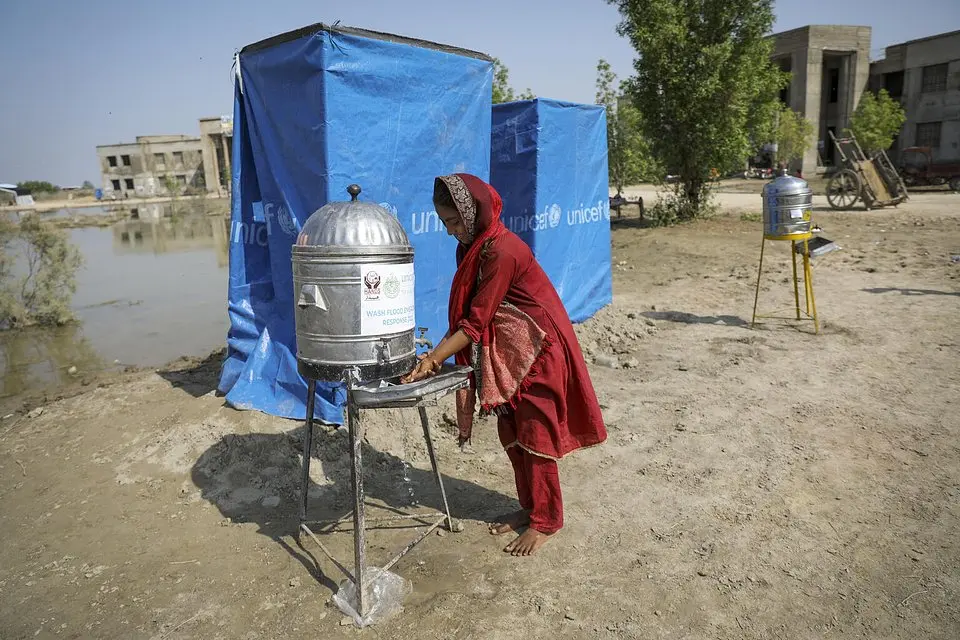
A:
(757, 483)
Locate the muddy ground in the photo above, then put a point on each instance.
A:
(757, 483)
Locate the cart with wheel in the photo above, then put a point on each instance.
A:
(872, 180)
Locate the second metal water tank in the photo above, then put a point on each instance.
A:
(787, 203)
(354, 292)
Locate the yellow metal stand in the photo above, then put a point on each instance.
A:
(811, 304)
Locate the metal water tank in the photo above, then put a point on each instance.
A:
(354, 292)
(787, 202)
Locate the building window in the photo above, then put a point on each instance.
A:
(928, 134)
(125, 160)
(834, 90)
(159, 160)
(182, 180)
(893, 83)
(178, 158)
(112, 161)
(129, 184)
(116, 185)
(934, 78)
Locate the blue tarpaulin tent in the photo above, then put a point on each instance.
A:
(549, 163)
(314, 111)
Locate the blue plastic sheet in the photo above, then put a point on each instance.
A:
(549, 163)
(315, 111)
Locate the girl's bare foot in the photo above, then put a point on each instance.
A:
(527, 543)
(510, 522)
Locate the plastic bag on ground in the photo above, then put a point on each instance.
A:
(385, 594)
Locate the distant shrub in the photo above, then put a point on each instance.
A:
(40, 292)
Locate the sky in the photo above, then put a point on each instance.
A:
(81, 73)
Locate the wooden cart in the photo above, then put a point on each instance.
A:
(874, 180)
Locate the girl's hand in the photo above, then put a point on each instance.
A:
(426, 368)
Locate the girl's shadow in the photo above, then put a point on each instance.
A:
(256, 478)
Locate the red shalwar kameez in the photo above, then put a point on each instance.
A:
(547, 406)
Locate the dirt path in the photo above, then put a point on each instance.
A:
(761, 483)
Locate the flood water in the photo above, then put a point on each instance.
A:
(151, 290)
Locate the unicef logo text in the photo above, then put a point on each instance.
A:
(598, 212)
(389, 207)
(281, 215)
(277, 219)
(553, 215)
(426, 222)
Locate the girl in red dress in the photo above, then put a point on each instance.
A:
(508, 323)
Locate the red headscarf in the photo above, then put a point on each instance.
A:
(487, 228)
(511, 343)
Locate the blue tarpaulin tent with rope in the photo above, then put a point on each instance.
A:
(549, 163)
(316, 110)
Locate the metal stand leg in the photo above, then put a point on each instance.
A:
(808, 283)
(796, 285)
(433, 520)
(359, 524)
(307, 449)
(806, 275)
(425, 422)
(759, 271)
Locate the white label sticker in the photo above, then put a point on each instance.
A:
(796, 213)
(386, 299)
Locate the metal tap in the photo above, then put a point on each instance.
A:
(422, 341)
(383, 351)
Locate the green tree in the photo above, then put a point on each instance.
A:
(10, 306)
(89, 186)
(502, 91)
(704, 86)
(876, 121)
(42, 293)
(37, 186)
(527, 94)
(170, 184)
(627, 152)
(793, 135)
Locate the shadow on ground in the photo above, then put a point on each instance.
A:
(631, 222)
(689, 318)
(255, 478)
(196, 376)
(911, 292)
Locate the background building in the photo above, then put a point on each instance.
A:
(151, 166)
(216, 138)
(830, 68)
(169, 165)
(924, 75)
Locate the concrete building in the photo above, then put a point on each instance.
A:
(145, 167)
(830, 68)
(189, 164)
(216, 138)
(924, 75)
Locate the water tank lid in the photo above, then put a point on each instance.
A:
(353, 224)
(786, 185)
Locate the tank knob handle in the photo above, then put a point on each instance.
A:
(354, 191)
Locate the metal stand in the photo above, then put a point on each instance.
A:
(420, 401)
(811, 304)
